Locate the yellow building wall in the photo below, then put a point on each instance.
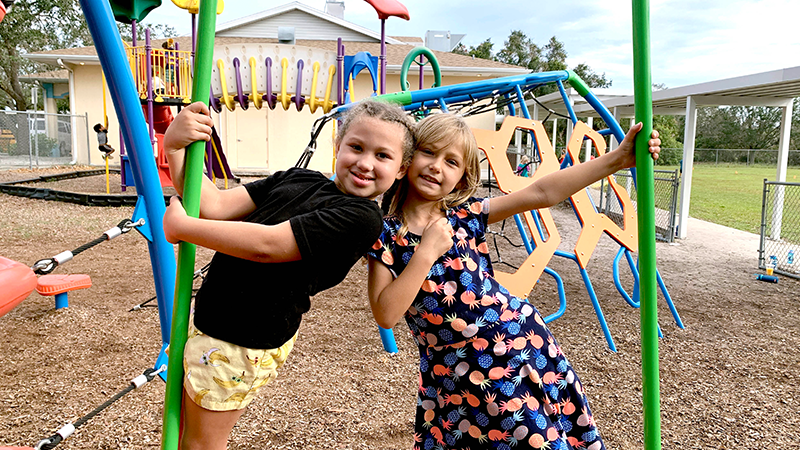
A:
(87, 98)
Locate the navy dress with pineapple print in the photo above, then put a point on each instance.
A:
(491, 375)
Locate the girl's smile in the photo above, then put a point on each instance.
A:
(430, 179)
(362, 180)
(369, 158)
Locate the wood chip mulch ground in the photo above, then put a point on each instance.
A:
(729, 380)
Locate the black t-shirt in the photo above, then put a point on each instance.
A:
(260, 305)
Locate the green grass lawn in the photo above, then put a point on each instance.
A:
(730, 195)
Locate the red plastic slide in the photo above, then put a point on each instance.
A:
(161, 162)
(162, 117)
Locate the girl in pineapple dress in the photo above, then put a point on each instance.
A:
(491, 374)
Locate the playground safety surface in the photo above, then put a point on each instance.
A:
(729, 380)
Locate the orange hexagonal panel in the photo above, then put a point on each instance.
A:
(494, 145)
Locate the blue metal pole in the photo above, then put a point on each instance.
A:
(143, 165)
(567, 104)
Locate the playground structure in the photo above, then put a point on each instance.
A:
(466, 98)
(249, 75)
(254, 75)
(163, 79)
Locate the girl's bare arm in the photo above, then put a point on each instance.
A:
(251, 241)
(558, 186)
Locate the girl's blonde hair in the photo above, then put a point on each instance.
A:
(449, 130)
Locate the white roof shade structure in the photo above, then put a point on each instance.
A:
(776, 88)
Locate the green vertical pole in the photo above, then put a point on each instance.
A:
(193, 180)
(643, 100)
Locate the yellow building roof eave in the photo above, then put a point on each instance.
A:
(44, 79)
(60, 60)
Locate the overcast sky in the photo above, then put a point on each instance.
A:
(692, 41)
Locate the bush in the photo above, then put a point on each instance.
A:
(47, 147)
(670, 156)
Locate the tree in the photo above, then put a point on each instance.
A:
(744, 127)
(738, 127)
(39, 25)
(589, 77)
(519, 50)
(460, 49)
(555, 55)
(33, 25)
(157, 31)
(483, 50)
(671, 148)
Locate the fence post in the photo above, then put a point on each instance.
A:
(602, 190)
(30, 146)
(761, 240)
(34, 131)
(777, 212)
(674, 205)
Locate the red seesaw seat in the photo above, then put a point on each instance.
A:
(17, 281)
(59, 285)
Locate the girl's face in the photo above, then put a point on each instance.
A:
(435, 171)
(369, 157)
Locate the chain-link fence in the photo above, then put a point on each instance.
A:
(780, 228)
(665, 189)
(37, 139)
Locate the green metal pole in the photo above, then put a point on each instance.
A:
(643, 100)
(193, 179)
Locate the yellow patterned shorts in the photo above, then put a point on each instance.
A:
(221, 376)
